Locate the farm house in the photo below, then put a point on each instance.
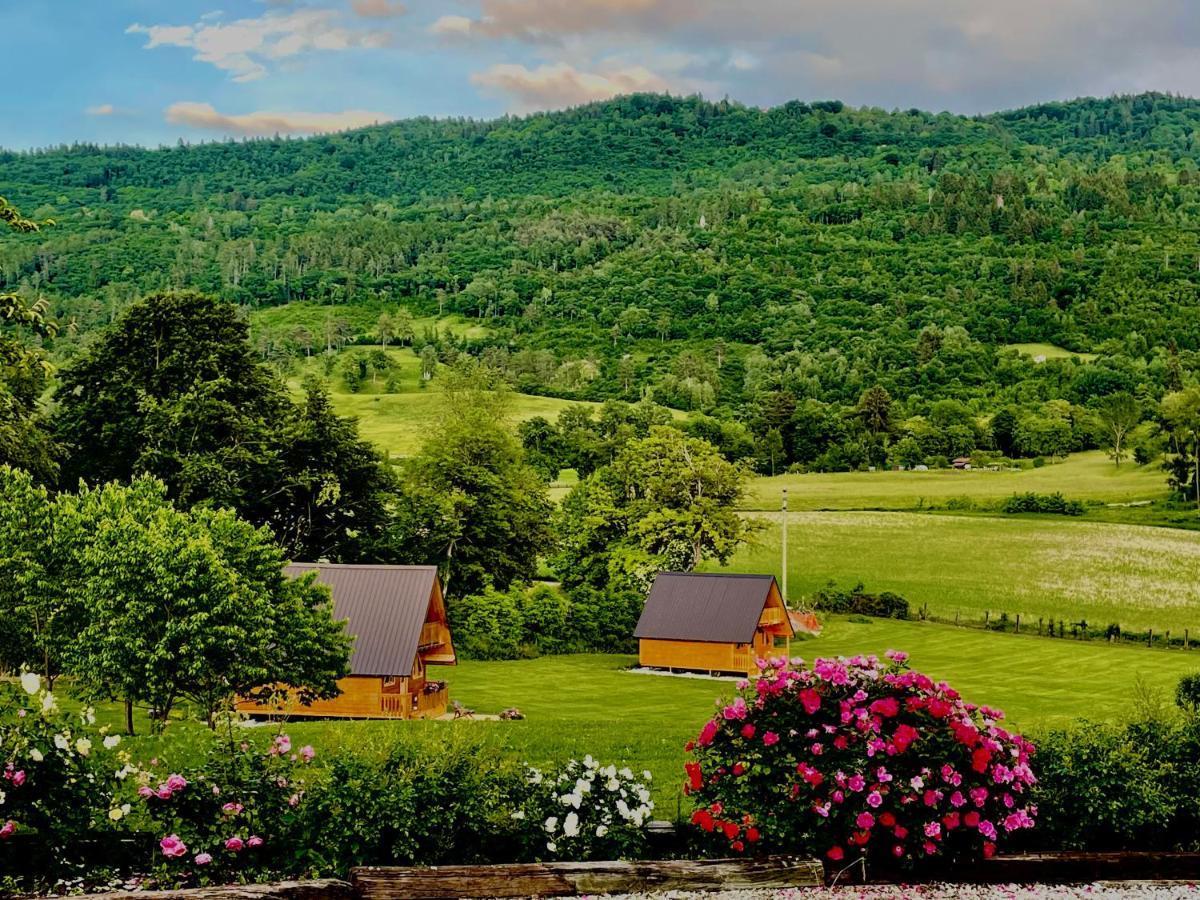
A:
(398, 618)
(712, 623)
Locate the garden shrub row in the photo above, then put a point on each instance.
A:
(526, 621)
(1055, 504)
(856, 601)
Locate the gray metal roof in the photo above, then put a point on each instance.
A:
(385, 606)
(689, 606)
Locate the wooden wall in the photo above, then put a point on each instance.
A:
(703, 656)
(361, 697)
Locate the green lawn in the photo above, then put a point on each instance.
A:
(583, 704)
(1048, 351)
(1135, 575)
(1082, 476)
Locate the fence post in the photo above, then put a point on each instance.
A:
(956, 617)
(987, 614)
(1062, 631)
(1185, 639)
(1150, 638)
(1039, 625)
(1017, 629)
(1168, 638)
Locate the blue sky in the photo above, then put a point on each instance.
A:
(153, 71)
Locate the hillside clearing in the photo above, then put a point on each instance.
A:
(1081, 476)
(1133, 575)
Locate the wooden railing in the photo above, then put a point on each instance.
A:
(427, 703)
(772, 617)
(395, 704)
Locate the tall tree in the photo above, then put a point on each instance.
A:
(1119, 413)
(1180, 418)
(469, 501)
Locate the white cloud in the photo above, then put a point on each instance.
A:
(245, 47)
(560, 84)
(451, 26)
(101, 109)
(265, 122)
(378, 9)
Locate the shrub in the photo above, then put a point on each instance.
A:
(1187, 693)
(857, 756)
(857, 601)
(56, 772)
(588, 811)
(489, 625)
(605, 620)
(422, 801)
(229, 814)
(1129, 786)
(1055, 504)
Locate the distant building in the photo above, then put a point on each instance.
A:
(712, 623)
(963, 462)
(397, 616)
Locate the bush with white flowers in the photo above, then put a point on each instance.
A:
(58, 772)
(588, 811)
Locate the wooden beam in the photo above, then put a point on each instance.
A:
(566, 879)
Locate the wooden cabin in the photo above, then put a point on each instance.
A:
(712, 623)
(397, 616)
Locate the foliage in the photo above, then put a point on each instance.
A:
(173, 390)
(586, 811)
(1187, 693)
(469, 501)
(1130, 786)
(667, 501)
(230, 814)
(424, 801)
(1054, 503)
(854, 757)
(56, 771)
(857, 601)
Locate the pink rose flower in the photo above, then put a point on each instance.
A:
(231, 809)
(7, 830)
(874, 800)
(307, 753)
(163, 792)
(145, 792)
(770, 739)
(172, 847)
(18, 778)
(203, 859)
(254, 841)
(235, 844)
(176, 782)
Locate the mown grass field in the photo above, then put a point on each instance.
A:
(1049, 567)
(1082, 476)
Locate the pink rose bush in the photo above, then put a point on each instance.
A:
(227, 817)
(858, 758)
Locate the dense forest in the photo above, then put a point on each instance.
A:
(827, 283)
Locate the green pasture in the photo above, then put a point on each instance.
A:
(1137, 576)
(361, 317)
(1048, 351)
(397, 420)
(1082, 476)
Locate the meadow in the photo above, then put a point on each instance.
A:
(1089, 476)
(1137, 576)
(396, 418)
(1048, 351)
(575, 705)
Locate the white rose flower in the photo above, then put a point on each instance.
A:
(83, 746)
(571, 825)
(3, 796)
(623, 809)
(519, 814)
(551, 824)
(551, 846)
(647, 776)
(588, 762)
(626, 772)
(49, 704)
(601, 830)
(111, 741)
(116, 814)
(613, 784)
(61, 742)
(31, 682)
(582, 787)
(36, 755)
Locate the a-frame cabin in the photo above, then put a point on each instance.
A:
(397, 616)
(712, 622)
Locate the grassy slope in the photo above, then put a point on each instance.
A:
(397, 422)
(1038, 566)
(1048, 351)
(1082, 476)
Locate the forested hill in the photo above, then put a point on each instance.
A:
(719, 256)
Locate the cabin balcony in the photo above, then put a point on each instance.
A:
(434, 644)
(430, 702)
(772, 616)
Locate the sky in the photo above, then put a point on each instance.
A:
(154, 71)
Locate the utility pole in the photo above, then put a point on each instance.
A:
(785, 567)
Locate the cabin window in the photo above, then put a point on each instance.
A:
(389, 680)
(780, 641)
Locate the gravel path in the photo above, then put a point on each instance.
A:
(1101, 891)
